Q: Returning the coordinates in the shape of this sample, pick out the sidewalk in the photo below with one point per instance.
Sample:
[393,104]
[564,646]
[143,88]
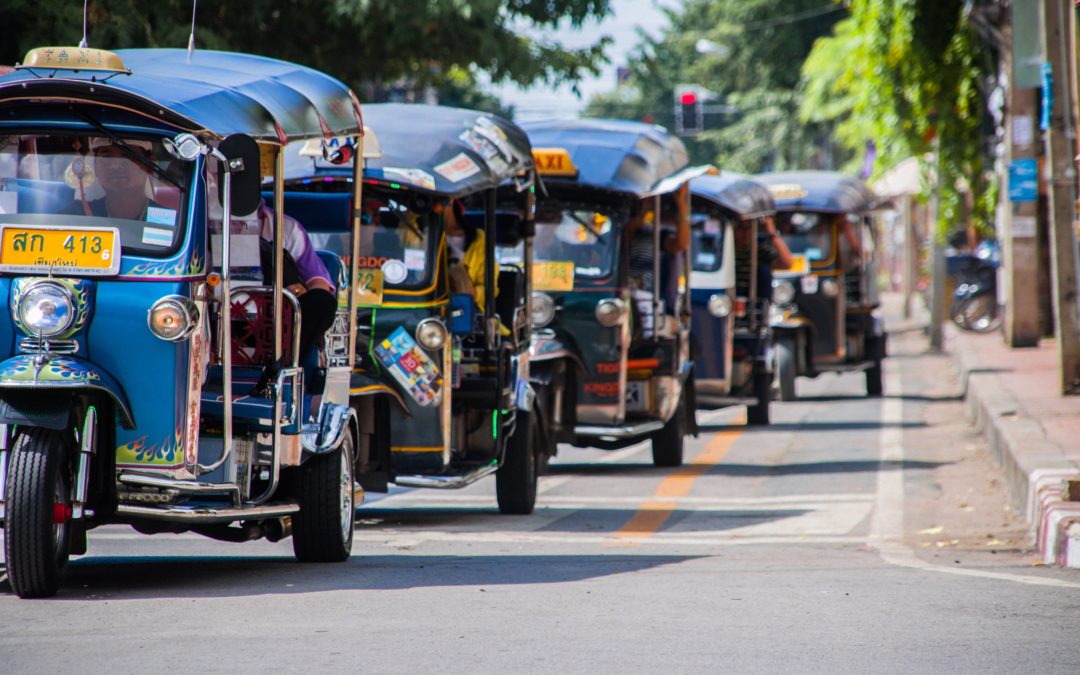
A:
[1012,397]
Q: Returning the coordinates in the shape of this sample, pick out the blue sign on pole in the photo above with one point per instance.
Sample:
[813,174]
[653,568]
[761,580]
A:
[1023,180]
[1047,96]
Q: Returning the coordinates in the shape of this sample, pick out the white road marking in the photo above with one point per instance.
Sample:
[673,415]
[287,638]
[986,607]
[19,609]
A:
[887,526]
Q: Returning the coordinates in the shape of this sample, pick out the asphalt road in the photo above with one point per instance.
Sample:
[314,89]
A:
[852,535]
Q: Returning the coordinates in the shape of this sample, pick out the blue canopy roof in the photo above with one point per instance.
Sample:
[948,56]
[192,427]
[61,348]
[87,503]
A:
[615,155]
[825,191]
[217,93]
[739,195]
[437,149]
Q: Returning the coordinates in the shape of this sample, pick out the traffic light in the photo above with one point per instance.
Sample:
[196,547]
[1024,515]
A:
[689,116]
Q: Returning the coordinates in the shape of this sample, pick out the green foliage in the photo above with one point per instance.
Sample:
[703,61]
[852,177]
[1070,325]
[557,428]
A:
[373,42]
[906,74]
[758,46]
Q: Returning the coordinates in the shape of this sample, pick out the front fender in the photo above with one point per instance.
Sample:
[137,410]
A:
[551,349]
[362,384]
[66,374]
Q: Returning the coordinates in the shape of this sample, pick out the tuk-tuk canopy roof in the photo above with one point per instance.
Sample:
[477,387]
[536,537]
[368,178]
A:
[437,149]
[739,195]
[616,155]
[825,191]
[217,93]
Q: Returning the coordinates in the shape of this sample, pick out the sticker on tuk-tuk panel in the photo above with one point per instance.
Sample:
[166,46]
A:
[394,271]
[410,366]
[553,275]
[369,287]
[787,191]
[809,284]
[637,396]
[155,236]
[800,264]
[457,168]
[160,216]
[415,259]
[416,177]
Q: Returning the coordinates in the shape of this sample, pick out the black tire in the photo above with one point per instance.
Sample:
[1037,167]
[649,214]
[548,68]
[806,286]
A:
[876,350]
[786,368]
[668,443]
[38,485]
[757,415]
[323,528]
[516,480]
[979,313]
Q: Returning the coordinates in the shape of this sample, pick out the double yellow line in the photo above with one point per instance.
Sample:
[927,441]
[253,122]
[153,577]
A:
[652,515]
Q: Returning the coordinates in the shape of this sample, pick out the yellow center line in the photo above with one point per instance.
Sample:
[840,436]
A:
[652,514]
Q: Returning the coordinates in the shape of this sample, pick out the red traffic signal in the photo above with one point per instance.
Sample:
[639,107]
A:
[688,98]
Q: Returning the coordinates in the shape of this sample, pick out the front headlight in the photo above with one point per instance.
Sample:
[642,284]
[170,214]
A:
[431,334]
[610,312]
[783,292]
[830,288]
[46,309]
[720,305]
[543,309]
[173,318]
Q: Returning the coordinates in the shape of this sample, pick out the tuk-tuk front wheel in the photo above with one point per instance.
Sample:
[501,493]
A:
[516,481]
[323,529]
[37,523]
[876,349]
[786,366]
[668,443]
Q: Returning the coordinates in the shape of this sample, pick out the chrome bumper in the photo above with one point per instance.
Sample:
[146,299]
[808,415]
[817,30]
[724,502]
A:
[618,432]
[203,514]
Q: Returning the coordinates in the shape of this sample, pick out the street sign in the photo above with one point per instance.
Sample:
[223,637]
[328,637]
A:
[1023,180]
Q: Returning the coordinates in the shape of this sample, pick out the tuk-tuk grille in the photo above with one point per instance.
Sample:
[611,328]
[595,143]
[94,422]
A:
[31,345]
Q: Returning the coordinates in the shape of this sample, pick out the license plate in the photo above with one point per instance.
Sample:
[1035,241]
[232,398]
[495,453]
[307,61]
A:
[41,249]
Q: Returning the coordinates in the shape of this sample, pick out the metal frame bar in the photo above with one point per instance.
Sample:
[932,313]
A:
[656,268]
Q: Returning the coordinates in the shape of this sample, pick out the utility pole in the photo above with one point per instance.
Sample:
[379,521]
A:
[1057,121]
[1018,215]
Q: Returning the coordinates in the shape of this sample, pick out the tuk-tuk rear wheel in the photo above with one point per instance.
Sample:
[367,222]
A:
[516,481]
[758,413]
[37,524]
[323,528]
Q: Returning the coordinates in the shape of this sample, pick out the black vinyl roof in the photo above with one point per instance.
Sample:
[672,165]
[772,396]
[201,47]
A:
[825,191]
[739,195]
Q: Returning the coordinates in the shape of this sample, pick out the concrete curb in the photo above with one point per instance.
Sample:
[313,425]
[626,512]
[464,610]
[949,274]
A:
[1034,466]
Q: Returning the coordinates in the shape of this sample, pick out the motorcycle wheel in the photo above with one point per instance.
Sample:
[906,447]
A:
[323,528]
[516,480]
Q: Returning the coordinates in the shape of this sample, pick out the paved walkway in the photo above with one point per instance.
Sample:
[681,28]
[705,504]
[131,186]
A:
[1013,396]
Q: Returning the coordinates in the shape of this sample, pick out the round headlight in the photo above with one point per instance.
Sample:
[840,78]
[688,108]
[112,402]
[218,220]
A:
[543,309]
[610,311]
[783,292]
[46,309]
[830,288]
[431,334]
[173,318]
[720,305]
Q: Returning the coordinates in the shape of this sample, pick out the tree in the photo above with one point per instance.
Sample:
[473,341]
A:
[909,75]
[748,53]
[362,42]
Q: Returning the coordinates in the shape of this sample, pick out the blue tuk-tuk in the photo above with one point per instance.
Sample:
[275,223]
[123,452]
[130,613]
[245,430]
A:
[611,311]
[827,316]
[729,293]
[443,370]
[151,370]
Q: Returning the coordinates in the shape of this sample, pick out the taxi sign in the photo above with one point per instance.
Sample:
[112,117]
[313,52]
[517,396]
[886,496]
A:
[554,162]
[74,58]
[44,249]
[553,275]
[787,191]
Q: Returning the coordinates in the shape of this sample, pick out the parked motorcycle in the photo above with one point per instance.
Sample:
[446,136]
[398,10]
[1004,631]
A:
[974,299]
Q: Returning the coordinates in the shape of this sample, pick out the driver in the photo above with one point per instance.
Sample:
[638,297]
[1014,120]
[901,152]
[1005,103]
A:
[124,180]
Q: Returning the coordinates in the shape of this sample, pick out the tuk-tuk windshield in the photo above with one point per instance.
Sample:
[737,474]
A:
[65,180]
[587,239]
[806,234]
[399,242]
[706,243]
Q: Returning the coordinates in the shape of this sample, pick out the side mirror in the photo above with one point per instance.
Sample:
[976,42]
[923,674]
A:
[242,162]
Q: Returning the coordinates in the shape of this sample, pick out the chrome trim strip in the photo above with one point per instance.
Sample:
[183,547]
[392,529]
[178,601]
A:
[446,482]
[201,514]
[32,345]
[182,486]
[82,473]
[619,432]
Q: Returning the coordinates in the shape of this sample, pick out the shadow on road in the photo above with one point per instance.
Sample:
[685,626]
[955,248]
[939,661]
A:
[817,468]
[831,425]
[97,578]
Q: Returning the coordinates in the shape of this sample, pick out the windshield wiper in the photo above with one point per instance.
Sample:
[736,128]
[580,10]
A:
[596,233]
[127,150]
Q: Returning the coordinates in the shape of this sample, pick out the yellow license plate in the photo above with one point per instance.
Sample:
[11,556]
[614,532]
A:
[369,288]
[42,249]
[800,264]
[553,275]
